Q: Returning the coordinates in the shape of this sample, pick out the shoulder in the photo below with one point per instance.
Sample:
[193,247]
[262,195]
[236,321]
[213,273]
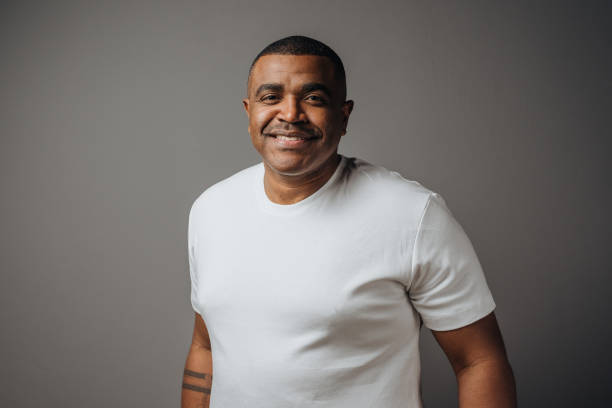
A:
[225,191]
[387,188]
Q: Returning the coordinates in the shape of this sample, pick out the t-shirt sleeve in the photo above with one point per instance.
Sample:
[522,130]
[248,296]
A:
[193,272]
[448,287]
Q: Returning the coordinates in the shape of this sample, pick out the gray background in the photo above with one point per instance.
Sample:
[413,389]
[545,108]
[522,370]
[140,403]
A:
[116,115]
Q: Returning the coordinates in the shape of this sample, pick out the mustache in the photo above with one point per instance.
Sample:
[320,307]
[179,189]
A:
[292,131]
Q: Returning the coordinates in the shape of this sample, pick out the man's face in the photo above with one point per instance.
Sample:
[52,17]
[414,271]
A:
[296,97]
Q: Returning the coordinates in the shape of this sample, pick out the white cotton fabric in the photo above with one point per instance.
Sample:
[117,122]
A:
[319,303]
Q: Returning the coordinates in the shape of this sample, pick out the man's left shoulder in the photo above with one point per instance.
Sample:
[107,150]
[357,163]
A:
[387,185]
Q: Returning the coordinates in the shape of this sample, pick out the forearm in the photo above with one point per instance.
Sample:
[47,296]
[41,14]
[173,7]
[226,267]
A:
[197,378]
[487,384]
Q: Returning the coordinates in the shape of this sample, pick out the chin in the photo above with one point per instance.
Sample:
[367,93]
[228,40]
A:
[288,165]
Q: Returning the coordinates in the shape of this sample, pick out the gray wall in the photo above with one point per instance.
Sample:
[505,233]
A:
[116,115]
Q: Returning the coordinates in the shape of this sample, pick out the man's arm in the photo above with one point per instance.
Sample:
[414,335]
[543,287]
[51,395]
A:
[478,357]
[197,376]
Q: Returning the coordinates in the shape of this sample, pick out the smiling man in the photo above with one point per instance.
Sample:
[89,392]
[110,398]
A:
[312,272]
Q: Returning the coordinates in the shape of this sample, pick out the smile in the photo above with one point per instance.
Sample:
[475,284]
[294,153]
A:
[290,141]
[282,137]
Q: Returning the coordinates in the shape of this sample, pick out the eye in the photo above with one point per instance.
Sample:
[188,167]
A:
[317,99]
[269,98]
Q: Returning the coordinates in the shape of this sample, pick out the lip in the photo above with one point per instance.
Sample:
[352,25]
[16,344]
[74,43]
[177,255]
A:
[292,134]
[304,139]
[290,143]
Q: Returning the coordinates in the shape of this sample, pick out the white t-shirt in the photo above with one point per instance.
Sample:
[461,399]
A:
[319,303]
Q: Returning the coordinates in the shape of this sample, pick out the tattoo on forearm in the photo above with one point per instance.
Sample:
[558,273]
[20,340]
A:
[196,388]
[203,387]
[195,374]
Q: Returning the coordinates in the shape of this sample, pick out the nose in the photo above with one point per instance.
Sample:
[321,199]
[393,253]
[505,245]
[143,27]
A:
[291,111]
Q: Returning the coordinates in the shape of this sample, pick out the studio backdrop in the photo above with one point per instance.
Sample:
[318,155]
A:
[116,115]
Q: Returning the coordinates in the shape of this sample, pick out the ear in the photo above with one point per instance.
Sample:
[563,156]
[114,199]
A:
[347,108]
[245,103]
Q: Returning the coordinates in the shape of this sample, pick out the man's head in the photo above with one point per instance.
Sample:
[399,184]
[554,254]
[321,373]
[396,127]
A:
[297,88]
[300,45]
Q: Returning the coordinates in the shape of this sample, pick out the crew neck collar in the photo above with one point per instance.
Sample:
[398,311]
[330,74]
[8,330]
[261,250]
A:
[271,207]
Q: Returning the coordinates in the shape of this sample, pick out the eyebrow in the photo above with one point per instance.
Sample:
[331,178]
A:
[316,86]
[269,87]
[309,87]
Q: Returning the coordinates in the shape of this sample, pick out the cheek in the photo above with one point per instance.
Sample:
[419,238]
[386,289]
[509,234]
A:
[259,119]
[330,124]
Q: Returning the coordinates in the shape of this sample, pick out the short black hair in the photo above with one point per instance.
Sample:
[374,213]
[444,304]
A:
[301,45]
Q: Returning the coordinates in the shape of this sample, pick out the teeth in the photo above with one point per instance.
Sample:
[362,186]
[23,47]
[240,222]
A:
[281,137]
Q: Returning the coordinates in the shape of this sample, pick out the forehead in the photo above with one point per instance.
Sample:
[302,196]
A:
[292,70]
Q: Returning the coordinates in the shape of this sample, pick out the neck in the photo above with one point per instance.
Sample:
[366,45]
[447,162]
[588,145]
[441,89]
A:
[284,189]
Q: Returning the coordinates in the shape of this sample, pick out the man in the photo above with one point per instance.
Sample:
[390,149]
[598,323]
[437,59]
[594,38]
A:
[311,271]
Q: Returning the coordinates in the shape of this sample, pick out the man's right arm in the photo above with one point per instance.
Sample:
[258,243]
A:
[197,376]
